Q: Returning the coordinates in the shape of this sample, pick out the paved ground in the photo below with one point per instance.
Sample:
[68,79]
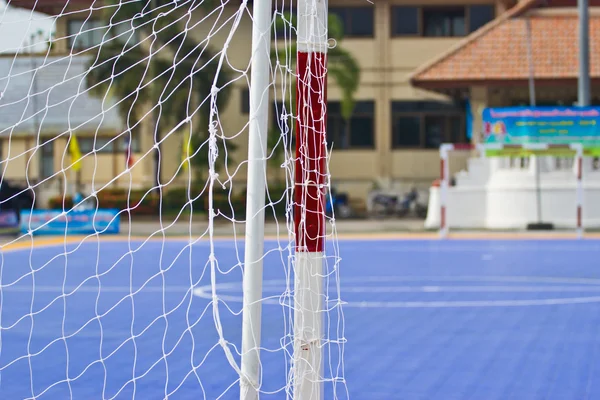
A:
[226,228]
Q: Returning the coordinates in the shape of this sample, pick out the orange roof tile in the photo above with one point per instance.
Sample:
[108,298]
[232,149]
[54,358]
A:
[500,53]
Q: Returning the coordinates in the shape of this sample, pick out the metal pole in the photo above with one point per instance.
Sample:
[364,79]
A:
[579,160]
[532,103]
[444,182]
[584,53]
[255,201]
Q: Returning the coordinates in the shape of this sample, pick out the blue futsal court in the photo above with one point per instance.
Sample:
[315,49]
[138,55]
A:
[422,319]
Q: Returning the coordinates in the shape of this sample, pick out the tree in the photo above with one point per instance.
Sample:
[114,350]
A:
[342,67]
[148,59]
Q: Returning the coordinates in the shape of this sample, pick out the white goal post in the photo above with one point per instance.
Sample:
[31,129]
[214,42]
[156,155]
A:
[178,127]
[576,149]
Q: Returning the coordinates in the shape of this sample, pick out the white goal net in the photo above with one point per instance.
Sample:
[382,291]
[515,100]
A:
[164,201]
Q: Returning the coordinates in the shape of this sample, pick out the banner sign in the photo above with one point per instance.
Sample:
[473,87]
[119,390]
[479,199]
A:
[9,219]
[552,125]
[76,222]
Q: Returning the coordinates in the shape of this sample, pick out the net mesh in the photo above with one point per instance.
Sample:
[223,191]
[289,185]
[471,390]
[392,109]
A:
[136,114]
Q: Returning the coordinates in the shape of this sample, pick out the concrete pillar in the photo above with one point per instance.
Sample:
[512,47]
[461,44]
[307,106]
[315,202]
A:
[146,143]
[383,128]
[479,98]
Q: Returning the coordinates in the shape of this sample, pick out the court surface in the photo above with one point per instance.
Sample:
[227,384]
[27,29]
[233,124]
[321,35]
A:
[423,319]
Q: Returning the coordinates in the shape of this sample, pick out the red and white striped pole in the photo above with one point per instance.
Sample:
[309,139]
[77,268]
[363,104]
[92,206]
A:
[309,198]
[579,159]
[444,172]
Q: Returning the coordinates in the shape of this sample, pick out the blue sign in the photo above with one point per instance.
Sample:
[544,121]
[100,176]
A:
[9,219]
[76,222]
[553,125]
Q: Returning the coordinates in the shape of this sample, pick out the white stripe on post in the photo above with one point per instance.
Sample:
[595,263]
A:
[309,198]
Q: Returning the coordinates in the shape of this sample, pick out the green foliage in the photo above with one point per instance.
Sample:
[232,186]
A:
[157,63]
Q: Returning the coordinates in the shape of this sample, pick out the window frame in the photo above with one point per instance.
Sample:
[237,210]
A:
[422,114]
[446,9]
[468,16]
[394,34]
[421,19]
[346,19]
[245,101]
[47,153]
[355,114]
[411,114]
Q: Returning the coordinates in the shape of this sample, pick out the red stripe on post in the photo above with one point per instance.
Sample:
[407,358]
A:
[442,171]
[578,216]
[443,218]
[579,168]
[310,165]
[462,146]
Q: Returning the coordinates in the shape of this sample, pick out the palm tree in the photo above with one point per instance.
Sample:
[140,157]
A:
[147,59]
[341,66]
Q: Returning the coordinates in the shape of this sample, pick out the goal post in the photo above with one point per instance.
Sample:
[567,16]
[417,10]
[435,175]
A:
[309,198]
[310,182]
[255,200]
[502,150]
[197,294]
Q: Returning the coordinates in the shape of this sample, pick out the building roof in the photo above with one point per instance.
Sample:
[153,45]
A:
[499,52]
[56,100]
[48,6]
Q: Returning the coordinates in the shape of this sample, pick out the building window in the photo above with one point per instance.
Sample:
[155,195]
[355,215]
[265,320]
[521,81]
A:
[429,21]
[480,15]
[102,145]
[84,34]
[47,159]
[136,146]
[245,101]
[406,131]
[427,124]
[444,21]
[357,133]
[405,21]
[356,21]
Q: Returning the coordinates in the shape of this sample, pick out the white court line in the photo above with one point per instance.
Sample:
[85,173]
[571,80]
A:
[486,249]
[270,285]
[276,286]
[93,289]
[474,303]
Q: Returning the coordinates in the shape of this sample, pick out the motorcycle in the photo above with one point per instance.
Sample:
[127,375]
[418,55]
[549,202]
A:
[338,204]
[391,205]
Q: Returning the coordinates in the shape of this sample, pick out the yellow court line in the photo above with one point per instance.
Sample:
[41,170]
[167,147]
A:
[27,243]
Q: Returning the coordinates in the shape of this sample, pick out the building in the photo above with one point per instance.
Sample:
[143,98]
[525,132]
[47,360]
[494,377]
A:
[424,64]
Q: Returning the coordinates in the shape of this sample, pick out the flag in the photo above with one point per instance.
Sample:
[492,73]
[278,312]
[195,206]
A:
[128,155]
[187,151]
[75,153]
